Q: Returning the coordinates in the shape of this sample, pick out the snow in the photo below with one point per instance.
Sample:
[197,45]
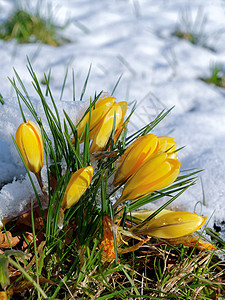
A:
[133,38]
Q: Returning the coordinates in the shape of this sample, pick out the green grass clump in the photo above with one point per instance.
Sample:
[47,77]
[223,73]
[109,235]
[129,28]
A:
[30,28]
[193,29]
[186,36]
[193,37]
[217,76]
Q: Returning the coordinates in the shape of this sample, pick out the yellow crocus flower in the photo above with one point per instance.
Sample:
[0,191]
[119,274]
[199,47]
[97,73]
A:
[77,186]
[29,140]
[104,129]
[98,111]
[139,152]
[156,173]
[134,156]
[172,224]
[101,122]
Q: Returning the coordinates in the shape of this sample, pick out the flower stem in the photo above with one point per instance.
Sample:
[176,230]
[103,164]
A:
[39,179]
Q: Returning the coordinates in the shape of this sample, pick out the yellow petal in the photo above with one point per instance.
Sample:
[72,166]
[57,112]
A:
[29,140]
[77,186]
[140,151]
[157,173]
[135,156]
[173,225]
[100,109]
[144,214]
[123,106]
[104,129]
[120,126]
[166,144]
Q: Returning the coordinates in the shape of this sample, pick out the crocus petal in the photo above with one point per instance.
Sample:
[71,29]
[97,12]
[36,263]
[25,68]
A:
[100,109]
[29,140]
[77,186]
[101,122]
[120,127]
[157,173]
[135,156]
[173,225]
[139,152]
[105,128]
[141,215]
[166,144]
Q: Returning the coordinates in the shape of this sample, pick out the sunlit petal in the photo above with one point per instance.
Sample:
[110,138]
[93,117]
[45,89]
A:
[157,173]
[100,109]
[173,225]
[29,140]
[140,151]
[135,156]
[105,128]
[77,186]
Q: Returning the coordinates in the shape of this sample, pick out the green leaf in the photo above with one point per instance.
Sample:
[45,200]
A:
[4,273]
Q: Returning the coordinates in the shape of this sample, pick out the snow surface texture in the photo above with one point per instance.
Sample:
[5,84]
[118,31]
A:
[133,38]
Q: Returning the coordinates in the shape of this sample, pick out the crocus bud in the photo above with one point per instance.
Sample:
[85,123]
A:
[101,122]
[139,152]
[78,184]
[100,109]
[156,173]
[104,129]
[172,224]
[135,156]
[29,140]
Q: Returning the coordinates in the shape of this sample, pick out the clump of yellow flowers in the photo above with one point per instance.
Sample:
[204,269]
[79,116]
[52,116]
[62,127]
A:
[148,164]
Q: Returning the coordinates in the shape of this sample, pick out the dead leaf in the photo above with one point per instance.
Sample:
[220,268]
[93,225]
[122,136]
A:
[102,155]
[7,240]
[40,252]
[53,182]
[132,248]
[108,252]
[192,241]
[69,229]
[25,284]
[3,296]
[13,273]
[24,221]
[29,239]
